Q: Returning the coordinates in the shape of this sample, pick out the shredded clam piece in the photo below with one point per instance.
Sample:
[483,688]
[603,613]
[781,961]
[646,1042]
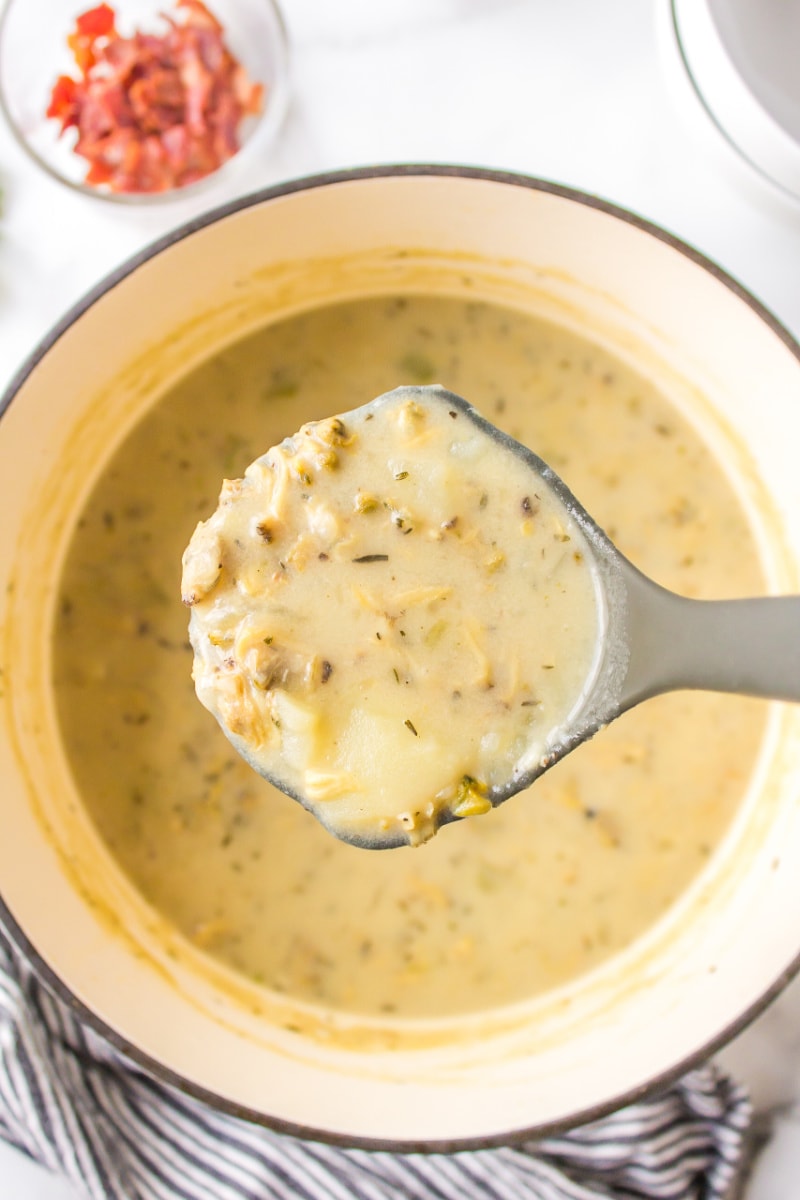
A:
[390,615]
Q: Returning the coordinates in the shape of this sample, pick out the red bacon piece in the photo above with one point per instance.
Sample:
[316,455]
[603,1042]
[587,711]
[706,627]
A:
[97,22]
[153,111]
[63,102]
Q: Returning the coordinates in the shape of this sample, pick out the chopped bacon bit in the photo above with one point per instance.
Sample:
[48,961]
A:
[63,102]
[97,22]
[153,111]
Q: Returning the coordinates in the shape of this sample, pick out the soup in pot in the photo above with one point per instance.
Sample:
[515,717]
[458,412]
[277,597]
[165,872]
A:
[494,910]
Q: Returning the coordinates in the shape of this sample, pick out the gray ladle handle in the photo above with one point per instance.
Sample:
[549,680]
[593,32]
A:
[746,646]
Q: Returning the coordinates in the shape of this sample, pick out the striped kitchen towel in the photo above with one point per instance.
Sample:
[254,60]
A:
[72,1103]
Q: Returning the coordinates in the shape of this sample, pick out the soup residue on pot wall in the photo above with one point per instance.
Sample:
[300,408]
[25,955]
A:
[494,910]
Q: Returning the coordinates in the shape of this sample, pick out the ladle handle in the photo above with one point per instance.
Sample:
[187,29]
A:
[746,646]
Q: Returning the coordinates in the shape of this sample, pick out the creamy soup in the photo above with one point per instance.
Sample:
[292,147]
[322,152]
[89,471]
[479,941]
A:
[490,911]
[393,592]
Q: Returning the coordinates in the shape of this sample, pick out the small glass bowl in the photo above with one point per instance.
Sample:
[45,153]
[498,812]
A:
[34,53]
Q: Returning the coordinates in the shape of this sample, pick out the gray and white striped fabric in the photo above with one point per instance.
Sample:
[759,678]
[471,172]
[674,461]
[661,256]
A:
[72,1103]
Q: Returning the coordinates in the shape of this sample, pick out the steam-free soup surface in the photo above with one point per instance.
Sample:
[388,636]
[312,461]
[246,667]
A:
[495,909]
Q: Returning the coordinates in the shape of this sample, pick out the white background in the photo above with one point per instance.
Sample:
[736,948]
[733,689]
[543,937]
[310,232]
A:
[577,91]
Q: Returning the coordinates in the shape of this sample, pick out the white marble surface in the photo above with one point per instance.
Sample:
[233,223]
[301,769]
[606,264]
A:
[577,91]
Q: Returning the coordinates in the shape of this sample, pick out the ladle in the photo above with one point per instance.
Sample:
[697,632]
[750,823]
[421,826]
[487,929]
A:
[652,640]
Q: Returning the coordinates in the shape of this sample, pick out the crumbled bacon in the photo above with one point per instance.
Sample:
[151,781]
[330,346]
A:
[153,111]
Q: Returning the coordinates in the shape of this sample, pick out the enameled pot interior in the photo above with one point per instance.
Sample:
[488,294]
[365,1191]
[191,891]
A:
[581,1050]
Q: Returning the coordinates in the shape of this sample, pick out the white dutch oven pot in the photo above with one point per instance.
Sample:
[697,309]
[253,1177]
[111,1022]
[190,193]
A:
[630,1025]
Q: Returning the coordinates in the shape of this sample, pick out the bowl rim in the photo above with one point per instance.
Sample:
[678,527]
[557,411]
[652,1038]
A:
[268,123]
[8,924]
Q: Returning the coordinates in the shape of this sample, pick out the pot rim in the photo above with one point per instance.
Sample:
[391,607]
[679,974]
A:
[24,947]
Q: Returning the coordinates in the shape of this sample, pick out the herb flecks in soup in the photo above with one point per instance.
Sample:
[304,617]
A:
[393,616]
[490,911]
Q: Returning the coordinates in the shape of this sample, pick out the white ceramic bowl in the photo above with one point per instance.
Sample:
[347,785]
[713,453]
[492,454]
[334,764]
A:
[732,66]
[632,1024]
